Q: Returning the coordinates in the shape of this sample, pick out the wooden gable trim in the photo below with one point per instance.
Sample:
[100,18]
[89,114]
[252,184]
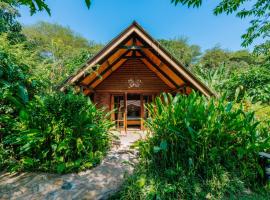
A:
[108,72]
[173,62]
[105,63]
[110,47]
[159,74]
[165,70]
[104,67]
[114,45]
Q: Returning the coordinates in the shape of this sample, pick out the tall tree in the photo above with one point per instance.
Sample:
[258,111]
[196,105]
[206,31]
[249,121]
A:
[8,23]
[182,50]
[263,52]
[215,57]
[61,50]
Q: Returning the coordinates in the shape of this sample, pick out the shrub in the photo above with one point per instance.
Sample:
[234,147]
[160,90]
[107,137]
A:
[59,133]
[197,149]
[254,82]
[15,83]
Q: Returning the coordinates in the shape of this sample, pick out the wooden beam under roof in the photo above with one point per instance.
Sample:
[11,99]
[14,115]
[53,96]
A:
[103,67]
[108,58]
[133,57]
[108,73]
[162,63]
[133,47]
[168,76]
[127,41]
[167,58]
[82,87]
[179,81]
[159,74]
[107,68]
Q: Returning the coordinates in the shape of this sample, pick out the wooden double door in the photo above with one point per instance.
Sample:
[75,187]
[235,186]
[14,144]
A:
[128,109]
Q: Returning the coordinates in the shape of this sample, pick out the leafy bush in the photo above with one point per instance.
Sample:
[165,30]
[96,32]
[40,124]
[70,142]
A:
[16,84]
[254,82]
[59,133]
[197,149]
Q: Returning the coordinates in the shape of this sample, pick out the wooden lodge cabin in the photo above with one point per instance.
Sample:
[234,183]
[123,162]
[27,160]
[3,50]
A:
[129,72]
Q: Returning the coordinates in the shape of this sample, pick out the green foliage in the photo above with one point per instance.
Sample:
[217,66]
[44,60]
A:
[16,82]
[259,12]
[263,53]
[214,78]
[197,149]
[40,5]
[182,50]
[236,73]
[262,111]
[51,39]
[59,133]
[243,56]
[214,57]
[201,134]
[8,23]
[253,82]
[52,132]
[60,51]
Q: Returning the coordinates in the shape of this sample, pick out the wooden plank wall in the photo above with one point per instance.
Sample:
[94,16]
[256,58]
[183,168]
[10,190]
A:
[118,80]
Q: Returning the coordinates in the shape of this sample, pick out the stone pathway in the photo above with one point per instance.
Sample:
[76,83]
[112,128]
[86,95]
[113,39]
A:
[97,183]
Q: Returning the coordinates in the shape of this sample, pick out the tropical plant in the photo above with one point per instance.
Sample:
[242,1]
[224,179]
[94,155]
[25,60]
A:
[16,82]
[243,56]
[253,82]
[263,53]
[59,133]
[214,78]
[197,149]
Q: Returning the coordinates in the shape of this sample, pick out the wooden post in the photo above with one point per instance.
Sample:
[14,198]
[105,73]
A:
[142,111]
[125,114]
[112,108]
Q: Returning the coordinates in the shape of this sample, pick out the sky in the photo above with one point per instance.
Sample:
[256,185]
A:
[107,18]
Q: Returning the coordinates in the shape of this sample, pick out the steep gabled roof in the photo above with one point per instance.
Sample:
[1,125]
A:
[136,42]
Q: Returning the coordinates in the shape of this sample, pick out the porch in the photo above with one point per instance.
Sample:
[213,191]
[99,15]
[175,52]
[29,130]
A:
[129,111]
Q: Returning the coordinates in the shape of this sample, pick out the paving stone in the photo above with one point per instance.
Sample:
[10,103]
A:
[97,183]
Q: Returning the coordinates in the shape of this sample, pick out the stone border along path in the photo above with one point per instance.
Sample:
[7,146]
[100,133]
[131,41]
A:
[97,183]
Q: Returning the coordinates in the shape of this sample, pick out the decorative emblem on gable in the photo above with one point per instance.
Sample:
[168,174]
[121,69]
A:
[134,83]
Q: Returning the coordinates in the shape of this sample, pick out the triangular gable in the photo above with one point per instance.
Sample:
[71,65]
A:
[154,56]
